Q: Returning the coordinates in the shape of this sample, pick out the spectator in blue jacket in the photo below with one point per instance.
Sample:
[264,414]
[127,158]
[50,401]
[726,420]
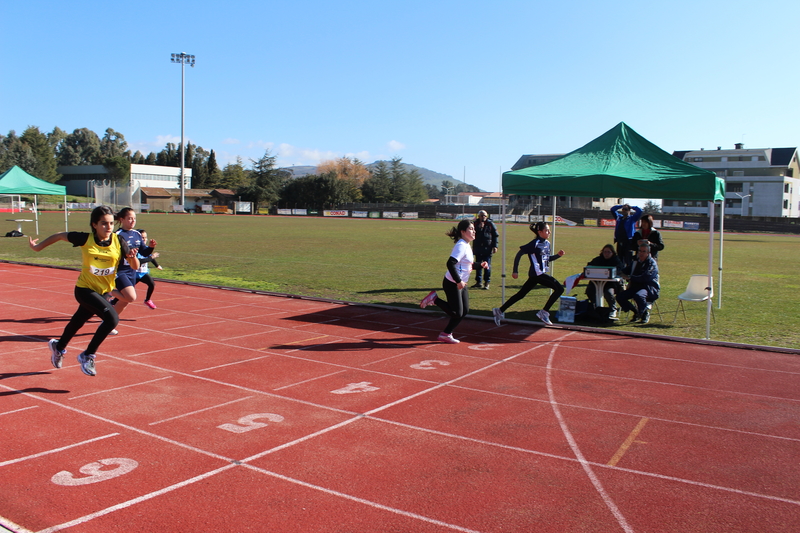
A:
[627,216]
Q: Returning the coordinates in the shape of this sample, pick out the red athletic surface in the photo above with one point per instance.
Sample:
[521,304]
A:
[516,429]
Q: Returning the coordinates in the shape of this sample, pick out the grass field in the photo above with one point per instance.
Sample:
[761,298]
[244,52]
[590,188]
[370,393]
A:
[398,261]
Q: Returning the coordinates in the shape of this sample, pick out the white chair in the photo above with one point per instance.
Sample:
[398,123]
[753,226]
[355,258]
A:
[699,289]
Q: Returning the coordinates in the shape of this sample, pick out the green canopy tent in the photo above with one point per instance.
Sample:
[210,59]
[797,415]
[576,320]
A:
[16,181]
[621,163]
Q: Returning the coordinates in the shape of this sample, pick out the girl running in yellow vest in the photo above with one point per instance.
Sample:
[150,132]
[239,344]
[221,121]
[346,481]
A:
[103,251]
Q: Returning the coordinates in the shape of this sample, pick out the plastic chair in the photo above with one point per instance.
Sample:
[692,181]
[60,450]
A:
[699,289]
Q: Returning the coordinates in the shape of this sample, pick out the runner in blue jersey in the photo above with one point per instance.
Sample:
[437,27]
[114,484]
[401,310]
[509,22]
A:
[126,276]
[538,251]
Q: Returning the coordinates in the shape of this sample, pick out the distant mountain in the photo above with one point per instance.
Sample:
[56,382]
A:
[429,177]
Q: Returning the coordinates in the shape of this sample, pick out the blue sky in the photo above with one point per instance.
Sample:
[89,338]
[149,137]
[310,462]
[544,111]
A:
[463,88]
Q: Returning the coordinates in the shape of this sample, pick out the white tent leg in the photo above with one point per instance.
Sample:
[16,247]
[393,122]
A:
[503,262]
[710,264]
[36,212]
[66,215]
[721,242]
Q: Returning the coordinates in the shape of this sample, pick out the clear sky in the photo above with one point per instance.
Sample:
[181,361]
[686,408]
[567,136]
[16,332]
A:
[460,87]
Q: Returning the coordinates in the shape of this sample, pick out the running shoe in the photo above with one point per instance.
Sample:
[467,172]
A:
[498,315]
[646,316]
[150,304]
[428,300]
[448,338]
[56,357]
[636,316]
[87,364]
[544,316]
[114,332]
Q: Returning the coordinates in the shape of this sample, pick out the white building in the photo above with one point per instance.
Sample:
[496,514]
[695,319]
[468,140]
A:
[81,180]
[759,182]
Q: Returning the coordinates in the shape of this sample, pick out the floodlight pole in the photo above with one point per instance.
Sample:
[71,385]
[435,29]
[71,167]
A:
[183,59]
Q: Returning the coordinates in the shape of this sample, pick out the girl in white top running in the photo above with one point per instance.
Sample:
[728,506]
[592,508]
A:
[459,266]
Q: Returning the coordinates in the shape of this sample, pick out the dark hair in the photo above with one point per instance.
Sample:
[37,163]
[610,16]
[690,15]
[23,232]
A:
[141,230]
[123,212]
[610,247]
[97,213]
[648,218]
[536,227]
[455,232]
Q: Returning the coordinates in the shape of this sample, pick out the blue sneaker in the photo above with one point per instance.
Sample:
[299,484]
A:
[56,356]
[87,364]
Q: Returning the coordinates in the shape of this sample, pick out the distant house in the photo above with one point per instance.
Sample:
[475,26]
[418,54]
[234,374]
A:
[161,199]
[761,182]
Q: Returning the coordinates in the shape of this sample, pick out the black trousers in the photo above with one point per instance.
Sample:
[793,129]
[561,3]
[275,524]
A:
[456,306]
[90,304]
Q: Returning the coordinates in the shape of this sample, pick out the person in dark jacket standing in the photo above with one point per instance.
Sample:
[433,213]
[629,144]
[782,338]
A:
[649,236]
[643,287]
[484,245]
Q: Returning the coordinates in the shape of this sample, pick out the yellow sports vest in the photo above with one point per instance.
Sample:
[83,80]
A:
[99,269]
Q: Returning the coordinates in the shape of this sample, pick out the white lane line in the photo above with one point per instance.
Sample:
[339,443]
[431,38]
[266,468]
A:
[18,410]
[134,501]
[309,380]
[119,388]
[587,467]
[233,363]
[200,410]
[56,450]
[369,503]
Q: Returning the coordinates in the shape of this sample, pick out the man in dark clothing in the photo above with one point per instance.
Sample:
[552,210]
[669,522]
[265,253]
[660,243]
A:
[484,245]
[643,287]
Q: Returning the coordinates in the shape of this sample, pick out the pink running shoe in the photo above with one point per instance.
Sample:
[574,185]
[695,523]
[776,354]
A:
[447,338]
[150,304]
[428,300]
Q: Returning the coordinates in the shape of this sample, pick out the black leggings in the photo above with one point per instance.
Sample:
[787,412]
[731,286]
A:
[544,279]
[91,303]
[456,306]
[151,285]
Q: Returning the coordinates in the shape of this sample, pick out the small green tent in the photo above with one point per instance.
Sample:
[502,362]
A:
[16,181]
[620,163]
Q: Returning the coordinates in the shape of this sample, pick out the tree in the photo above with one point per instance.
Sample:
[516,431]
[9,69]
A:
[81,147]
[213,168]
[265,182]
[407,186]
[316,192]
[200,169]
[233,176]
[113,144]
[119,169]
[15,152]
[651,207]
[378,187]
[44,166]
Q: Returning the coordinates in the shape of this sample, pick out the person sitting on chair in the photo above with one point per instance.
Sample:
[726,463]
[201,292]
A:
[607,258]
[643,287]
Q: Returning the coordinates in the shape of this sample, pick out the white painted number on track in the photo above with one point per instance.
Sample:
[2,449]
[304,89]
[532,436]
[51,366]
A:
[94,472]
[248,423]
[484,346]
[354,388]
[429,364]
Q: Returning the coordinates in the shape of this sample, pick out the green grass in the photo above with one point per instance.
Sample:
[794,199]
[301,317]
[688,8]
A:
[397,262]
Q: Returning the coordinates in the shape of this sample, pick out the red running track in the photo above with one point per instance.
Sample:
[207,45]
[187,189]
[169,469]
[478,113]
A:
[233,411]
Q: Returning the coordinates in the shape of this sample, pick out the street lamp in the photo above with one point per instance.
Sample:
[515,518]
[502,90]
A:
[183,59]
[742,197]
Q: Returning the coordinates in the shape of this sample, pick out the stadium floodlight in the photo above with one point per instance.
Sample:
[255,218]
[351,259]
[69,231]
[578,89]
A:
[183,59]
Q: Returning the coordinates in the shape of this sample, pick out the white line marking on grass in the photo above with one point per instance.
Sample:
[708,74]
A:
[576,449]
[120,388]
[134,501]
[368,503]
[200,410]
[56,450]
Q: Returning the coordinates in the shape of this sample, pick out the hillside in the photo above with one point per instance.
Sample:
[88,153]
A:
[429,177]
